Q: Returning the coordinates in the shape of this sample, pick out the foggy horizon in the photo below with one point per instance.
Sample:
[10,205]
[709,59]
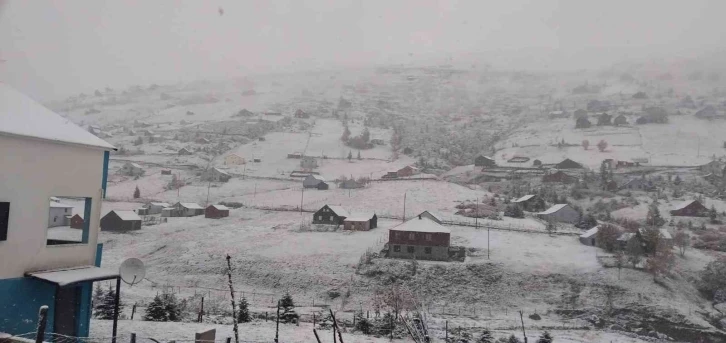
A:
[51,50]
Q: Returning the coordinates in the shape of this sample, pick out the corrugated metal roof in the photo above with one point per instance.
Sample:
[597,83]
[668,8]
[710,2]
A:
[553,209]
[339,210]
[421,224]
[127,215]
[524,198]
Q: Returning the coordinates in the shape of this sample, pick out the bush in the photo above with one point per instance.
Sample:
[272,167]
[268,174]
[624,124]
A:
[513,211]
[362,324]
[607,236]
[713,277]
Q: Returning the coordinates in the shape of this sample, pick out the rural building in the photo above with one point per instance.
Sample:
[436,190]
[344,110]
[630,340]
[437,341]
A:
[328,214]
[186,209]
[620,120]
[568,164]
[308,162]
[518,159]
[561,213]
[433,216]
[638,183]
[349,184]
[484,161]
[234,160]
[582,123]
[132,169]
[77,222]
[301,114]
[156,207]
[588,237]
[143,211]
[57,214]
[420,238]
[53,156]
[295,154]
[357,223]
[407,171]
[559,176]
[202,140]
[378,141]
[529,202]
[120,221]
[315,181]
[183,152]
[216,211]
[216,175]
[390,175]
[690,208]
[166,172]
[604,119]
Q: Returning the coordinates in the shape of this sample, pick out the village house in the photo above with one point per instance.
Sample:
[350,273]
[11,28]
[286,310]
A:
[233,160]
[301,114]
[529,202]
[185,209]
[156,207]
[419,238]
[588,237]
[57,214]
[77,222]
[604,119]
[568,164]
[315,181]
[308,162]
[484,161]
[44,154]
[329,214]
[582,123]
[184,152]
[131,169]
[436,217]
[120,221]
[215,175]
[407,171]
[390,175]
[359,223]
[690,208]
[561,213]
[559,176]
[216,211]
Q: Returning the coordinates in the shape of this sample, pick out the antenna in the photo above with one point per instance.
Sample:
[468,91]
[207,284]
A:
[132,271]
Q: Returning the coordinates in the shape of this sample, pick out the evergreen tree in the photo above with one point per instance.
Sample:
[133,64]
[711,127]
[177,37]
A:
[678,180]
[362,323]
[359,155]
[139,141]
[97,295]
[243,315]
[366,135]
[713,215]
[513,339]
[171,306]
[346,134]
[350,155]
[653,218]
[156,312]
[545,338]
[105,307]
[513,211]
[486,337]
[288,309]
[137,193]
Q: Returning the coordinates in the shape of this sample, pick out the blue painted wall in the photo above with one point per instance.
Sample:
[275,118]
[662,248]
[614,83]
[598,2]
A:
[20,300]
[105,172]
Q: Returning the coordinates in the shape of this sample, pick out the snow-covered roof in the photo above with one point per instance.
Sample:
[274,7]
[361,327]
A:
[220,207]
[665,234]
[162,204]
[553,209]
[339,210]
[434,214]
[127,215]
[24,117]
[59,205]
[524,198]
[220,171]
[317,177]
[421,224]
[135,165]
[191,205]
[626,236]
[68,276]
[358,218]
[590,233]
[683,205]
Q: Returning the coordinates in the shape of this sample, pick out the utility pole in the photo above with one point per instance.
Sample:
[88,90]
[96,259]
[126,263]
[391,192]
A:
[404,207]
[522,319]
[488,249]
[302,194]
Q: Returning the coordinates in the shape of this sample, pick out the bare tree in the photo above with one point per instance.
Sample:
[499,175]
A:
[661,261]
[602,145]
[607,236]
[682,241]
[619,261]
[585,144]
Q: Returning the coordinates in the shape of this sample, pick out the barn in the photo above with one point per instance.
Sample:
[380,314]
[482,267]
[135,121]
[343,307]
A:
[588,237]
[184,151]
[216,211]
[407,171]
[328,214]
[120,221]
[233,160]
[562,213]
[690,208]
[484,161]
[420,238]
[77,222]
[315,181]
[186,209]
[568,164]
[357,223]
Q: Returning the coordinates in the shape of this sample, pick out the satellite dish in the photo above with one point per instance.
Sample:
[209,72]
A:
[132,271]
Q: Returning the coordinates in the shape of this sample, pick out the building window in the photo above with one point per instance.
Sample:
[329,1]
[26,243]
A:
[410,249]
[61,228]
[320,217]
[427,250]
[396,235]
[428,236]
[397,248]
[4,220]
[411,236]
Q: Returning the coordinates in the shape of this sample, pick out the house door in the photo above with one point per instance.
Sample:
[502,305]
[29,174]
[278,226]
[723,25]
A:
[67,302]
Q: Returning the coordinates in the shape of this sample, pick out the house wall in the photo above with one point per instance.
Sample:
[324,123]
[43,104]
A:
[419,238]
[357,226]
[56,215]
[47,170]
[326,216]
[438,253]
[154,209]
[565,215]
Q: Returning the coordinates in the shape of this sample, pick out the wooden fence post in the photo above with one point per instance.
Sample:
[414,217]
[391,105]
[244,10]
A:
[133,337]
[42,321]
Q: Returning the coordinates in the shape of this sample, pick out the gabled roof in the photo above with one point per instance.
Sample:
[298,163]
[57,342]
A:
[433,214]
[590,233]
[316,177]
[220,207]
[162,204]
[22,116]
[339,210]
[554,209]
[421,224]
[358,218]
[220,171]
[127,215]
[191,205]
[524,198]
[683,205]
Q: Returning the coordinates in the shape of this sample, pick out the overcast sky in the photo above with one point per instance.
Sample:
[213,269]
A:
[51,49]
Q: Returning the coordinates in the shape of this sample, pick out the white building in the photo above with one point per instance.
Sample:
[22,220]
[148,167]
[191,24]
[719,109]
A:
[233,160]
[45,155]
[156,207]
[57,213]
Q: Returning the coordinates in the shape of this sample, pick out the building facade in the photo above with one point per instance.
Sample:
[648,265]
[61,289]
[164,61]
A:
[419,238]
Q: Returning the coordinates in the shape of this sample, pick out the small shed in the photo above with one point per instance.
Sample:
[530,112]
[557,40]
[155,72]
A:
[216,211]
[216,175]
[390,175]
[568,164]
[166,172]
[233,160]
[357,223]
[529,202]
[588,237]
[407,171]
[315,181]
[690,208]
[120,221]
[156,207]
[184,151]
[484,161]
[562,213]
[76,222]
